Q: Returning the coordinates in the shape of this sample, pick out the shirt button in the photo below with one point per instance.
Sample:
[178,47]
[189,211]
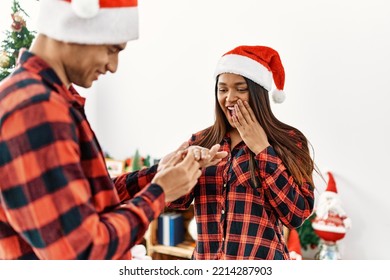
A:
[223,211]
[224,185]
[223,238]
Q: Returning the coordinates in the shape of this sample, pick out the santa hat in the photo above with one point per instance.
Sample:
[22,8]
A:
[331,189]
[89,21]
[331,184]
[257,63]
[294,245]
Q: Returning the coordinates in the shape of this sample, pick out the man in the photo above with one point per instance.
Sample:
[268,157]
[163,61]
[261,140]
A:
[57,200]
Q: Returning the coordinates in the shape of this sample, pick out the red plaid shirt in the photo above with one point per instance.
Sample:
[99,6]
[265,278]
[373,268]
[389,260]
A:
[234,219]
[57,200]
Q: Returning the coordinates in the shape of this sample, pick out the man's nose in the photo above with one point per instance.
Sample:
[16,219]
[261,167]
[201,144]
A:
[112,64]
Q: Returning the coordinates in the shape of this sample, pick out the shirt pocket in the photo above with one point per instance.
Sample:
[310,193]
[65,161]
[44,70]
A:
[243,184]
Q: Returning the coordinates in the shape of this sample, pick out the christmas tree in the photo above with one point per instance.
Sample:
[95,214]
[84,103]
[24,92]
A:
[136,162]
[146,161]
[19,37]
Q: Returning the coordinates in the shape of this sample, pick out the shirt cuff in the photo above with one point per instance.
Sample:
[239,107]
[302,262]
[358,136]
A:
[268,162]
[155,196]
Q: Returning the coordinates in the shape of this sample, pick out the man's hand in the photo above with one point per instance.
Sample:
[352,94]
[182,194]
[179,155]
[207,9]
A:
[178,176]
[178,172]
[205,156]
[163,162]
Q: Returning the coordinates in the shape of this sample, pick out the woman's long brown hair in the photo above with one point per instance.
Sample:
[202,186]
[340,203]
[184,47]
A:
[288,142]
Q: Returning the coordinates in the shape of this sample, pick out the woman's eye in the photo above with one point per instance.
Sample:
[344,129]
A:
[222,90]
[242,89]
[111,50]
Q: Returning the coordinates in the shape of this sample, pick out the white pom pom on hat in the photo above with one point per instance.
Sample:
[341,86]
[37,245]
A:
[260,64]
[278,96]
[85,8]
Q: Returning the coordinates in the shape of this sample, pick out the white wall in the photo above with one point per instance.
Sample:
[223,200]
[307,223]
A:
[336,60]
[336,57]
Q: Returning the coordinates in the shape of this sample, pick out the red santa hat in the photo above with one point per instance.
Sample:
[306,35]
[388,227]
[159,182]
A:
[257,63]
[294,245]
[331,187]
[89,21]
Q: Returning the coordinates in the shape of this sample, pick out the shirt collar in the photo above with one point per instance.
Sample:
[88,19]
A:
[37,65]
[227,137]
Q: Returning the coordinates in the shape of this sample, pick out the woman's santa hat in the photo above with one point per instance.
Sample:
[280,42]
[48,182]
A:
[294,245]
[92,22]
[257,63]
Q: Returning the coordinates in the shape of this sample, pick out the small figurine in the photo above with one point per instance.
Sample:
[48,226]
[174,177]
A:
[331,222]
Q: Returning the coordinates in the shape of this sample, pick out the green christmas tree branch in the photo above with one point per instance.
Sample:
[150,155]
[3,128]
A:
[307,236]
[19,37]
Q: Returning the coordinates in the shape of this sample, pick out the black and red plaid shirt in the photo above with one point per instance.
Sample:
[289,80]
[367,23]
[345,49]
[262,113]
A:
[57,200]
[234,219]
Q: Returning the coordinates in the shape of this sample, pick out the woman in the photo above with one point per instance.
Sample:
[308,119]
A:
[265,182]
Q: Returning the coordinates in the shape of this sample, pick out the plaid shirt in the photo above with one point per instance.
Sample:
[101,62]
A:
[236,220]
[57,200]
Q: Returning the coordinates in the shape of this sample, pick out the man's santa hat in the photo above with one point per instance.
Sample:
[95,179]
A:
[331,221]
[91,22]
[260,64]
[294,245]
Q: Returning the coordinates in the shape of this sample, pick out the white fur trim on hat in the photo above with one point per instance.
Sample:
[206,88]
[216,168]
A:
[85,8]
[244,66]
[58,20]
[278,96]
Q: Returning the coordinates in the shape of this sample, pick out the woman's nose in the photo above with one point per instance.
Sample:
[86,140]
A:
[231,97]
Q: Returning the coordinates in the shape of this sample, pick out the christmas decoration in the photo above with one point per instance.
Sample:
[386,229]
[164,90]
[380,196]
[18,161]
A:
[128,164]
[146,161]
[19,37]
[136,162]
[293,245]
[307,236]
[331,222]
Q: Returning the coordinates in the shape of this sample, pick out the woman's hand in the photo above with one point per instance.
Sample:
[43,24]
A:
[207,157]
[249,128]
